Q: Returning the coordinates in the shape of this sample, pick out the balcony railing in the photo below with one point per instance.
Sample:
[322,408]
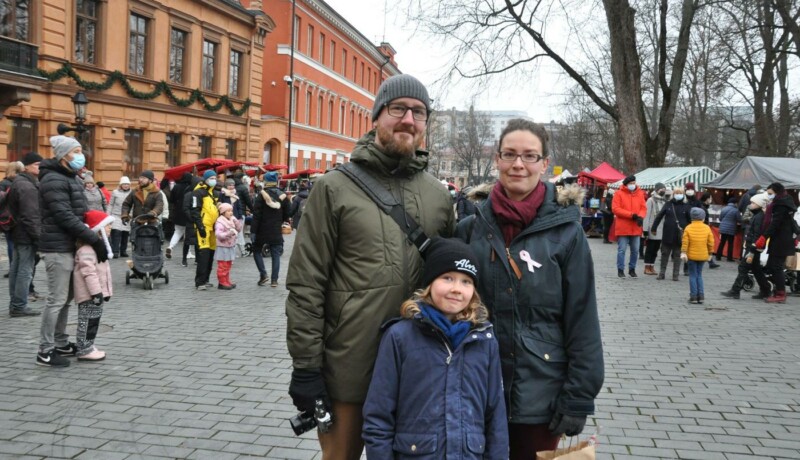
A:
[18,56]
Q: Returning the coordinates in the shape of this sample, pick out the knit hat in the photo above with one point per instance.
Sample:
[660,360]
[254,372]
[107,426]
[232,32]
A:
[271,178]
[697,214]
[148,174]
[208,174]
[31,158]
[96,221]
[448,255]
[399,86]
[689,186]
[628,180]
[224,207]
[62,145]
[229,182]
[659,186]
[124,180]
[88,177]
[759,200]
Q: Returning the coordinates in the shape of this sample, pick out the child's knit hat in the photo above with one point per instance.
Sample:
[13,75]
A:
[449,255]
[96,221]
[224,207]
[697,214]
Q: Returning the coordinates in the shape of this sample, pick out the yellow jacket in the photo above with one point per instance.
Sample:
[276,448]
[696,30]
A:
[698,241]
[204,213]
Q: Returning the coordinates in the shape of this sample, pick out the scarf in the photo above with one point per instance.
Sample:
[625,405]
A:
[455,332]
[146,190]
[513,216]
[768,213]
[227,222]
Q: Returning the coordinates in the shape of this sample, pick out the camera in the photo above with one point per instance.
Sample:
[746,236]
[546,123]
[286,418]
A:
[306,421]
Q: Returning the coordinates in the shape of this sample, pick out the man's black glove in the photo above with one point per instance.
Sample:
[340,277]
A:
[97,299]
[201,231]
[570,425]
[306,387]
[99,247]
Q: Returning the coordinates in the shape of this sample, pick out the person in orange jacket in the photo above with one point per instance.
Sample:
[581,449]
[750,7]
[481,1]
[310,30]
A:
[629,210]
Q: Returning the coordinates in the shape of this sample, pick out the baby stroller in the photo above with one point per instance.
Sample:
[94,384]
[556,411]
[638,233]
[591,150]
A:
[792,280]
[147,259]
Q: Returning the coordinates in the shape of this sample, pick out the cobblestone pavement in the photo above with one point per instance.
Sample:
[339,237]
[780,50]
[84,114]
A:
[204,374]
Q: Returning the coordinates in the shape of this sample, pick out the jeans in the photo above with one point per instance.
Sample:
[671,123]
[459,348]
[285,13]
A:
[20,275]
[119,242]
[59,267]
[696,278]
[622,245]
[275,252]
[9,246]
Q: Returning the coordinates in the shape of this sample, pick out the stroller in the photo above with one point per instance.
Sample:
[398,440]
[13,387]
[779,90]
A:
[147,259]
[791,277]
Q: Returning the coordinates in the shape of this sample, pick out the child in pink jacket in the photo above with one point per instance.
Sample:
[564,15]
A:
[91,282]
[225,229]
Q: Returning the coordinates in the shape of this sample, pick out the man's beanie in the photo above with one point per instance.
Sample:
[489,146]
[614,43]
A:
[271,178]
[148,174]
[659,186]
[399,86]
[697,214]
[448,255]
[208,174]
[31,158]
[62,145]
[628,180]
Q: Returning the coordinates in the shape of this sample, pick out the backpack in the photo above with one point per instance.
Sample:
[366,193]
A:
[6,219]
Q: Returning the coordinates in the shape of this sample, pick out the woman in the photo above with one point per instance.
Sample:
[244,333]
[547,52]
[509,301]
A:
[12,169]
[654,205]
[675,215]
[538,284]
[94,197]
[729,219]
[779,230]
[119,230]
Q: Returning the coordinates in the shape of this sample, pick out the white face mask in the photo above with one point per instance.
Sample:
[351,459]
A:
[770,196]
[631,187]
[690,193]
[679,197]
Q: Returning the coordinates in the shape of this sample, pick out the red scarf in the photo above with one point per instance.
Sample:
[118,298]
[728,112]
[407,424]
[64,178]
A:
[513,216]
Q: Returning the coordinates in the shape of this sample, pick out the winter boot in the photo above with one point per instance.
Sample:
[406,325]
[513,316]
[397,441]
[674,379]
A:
[222,275]
[701,298]
[660,276]
[733,293]
[779,297]
[621,273]
[230,267]
[761,295]
[649,270]
[632,273]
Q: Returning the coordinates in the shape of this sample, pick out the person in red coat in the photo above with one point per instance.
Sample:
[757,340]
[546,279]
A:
[629,210]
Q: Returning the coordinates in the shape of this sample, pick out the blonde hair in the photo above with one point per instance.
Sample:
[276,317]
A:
[14,167]
[476,312]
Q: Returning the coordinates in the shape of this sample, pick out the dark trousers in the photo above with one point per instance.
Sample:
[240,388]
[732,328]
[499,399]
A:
[723,239]
[758,273]
[119,242]
[205,262]
[607,219]
[525,440]
[775,266]
[652,251]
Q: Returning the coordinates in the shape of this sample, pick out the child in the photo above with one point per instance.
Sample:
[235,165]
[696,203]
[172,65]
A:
[91,281]
[437,384]
[696,248]
[226,228]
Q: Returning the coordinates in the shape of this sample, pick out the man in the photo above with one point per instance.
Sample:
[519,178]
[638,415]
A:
[243,192]
[629,210]
[272,210]
[147,200]
[352,265]
[62,205]
[204,214]
[608,215]
[24,206]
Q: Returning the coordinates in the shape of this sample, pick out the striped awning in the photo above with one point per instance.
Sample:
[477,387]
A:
[672,177]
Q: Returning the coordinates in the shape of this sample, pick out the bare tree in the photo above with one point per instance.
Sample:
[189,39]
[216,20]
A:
[471,142]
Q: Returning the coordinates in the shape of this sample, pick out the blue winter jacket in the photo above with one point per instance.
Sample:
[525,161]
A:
[429,401]
[728,218]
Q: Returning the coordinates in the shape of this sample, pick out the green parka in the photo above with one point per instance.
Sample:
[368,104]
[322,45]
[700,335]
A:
[352,266]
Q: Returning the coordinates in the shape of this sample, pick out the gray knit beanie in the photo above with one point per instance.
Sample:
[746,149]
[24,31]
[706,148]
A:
[62,145]
[697,214]
[400,86]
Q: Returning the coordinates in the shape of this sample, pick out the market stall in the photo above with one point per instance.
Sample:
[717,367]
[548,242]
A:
[596,182]
[671,177]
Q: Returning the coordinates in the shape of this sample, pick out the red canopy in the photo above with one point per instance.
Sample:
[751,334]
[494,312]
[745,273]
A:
[603,174]
[195,167]
[305,172]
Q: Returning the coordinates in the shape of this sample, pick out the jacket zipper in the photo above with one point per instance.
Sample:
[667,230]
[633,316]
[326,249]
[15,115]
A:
[513,264]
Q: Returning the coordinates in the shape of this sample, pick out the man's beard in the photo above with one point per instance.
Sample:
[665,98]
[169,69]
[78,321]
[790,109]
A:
[393,147]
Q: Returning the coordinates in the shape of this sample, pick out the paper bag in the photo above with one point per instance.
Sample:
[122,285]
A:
[583,450]
[793,262]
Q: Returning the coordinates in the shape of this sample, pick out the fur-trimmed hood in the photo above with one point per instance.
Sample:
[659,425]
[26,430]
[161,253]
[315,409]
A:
[566,195]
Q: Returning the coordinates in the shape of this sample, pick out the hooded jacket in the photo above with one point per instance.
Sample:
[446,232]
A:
[136,203]
[115,209]
[546,322]
[204,214]
[176,197]
[654,205]
[90,277]
[728,218]
[781,228]
[352,266]
[62,205]
[268,217]
[624,206]
[429,400]
[698,241]
[24,206]
[672,210]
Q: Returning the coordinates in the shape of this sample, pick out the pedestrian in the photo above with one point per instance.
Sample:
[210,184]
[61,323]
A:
[146,200]
[106,194]
[62,206]
[464,206]
[608,215]
[12,169]
[190,236]
[242,185]
[629,210]
[176,213]
[697,246]
[778,227]
[352,264]
[91,281]
[226,229]
[298,204]
[23,203]
[204,213]
[167,227]
[744,202]
[94,197]
[538,283]
[751,258]
[445,344]
[119,230]
[669,224]
[271,213]
[654,205]
[230,195]
[703,202]
[729,219]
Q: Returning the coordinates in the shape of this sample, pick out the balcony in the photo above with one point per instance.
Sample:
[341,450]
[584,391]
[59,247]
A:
[17,56]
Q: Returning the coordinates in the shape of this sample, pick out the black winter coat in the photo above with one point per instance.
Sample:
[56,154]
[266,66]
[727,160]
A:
[243,192]
[672,236]
[176,214]
[24,206]
[267,220]
[754,231]
[781,229]
[464,207]
[296,211]
[62,205]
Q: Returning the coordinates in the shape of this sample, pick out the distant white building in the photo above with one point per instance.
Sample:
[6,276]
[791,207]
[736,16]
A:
[500,118]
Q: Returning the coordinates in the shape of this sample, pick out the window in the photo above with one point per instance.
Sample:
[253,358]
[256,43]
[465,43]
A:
[319,111]
[230,149]
[317,164]
[134,152]
[308,107]
[177,54]
[173,156]
[305,163]
[296,32]
[344,63]
[330,115]
[209,61]
[15,16]
[21,138]
[310,42]
[295,95]
[369,76]
[333,55]
[204,142]
[341,119]
[322,48]
[235,71]
[362,74]
[355,68]
[86,31]
[352,124]
[137,45]
[293,165]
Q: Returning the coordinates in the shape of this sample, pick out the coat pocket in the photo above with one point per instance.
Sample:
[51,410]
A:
[414,444]
[476,443]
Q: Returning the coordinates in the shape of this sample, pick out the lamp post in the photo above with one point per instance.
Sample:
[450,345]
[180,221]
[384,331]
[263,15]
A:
[79,101]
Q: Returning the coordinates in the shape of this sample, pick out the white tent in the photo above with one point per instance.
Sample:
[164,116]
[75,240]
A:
[672,177]
[564,174]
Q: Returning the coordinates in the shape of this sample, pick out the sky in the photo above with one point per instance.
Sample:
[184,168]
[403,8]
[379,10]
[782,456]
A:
[418,56]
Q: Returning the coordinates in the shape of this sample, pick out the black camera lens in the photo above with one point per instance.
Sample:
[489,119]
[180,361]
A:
[302,423]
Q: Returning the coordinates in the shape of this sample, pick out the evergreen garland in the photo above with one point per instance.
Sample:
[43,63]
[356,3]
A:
[161,88]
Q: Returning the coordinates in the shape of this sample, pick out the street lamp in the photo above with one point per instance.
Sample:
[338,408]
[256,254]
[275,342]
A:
[79,101]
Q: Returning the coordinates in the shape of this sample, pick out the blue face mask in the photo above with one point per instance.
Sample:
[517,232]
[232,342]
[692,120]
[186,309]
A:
[78,162]
[212,183]
[679,197]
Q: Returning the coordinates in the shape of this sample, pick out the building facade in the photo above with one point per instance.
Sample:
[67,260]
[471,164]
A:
[169,81]
[324,81]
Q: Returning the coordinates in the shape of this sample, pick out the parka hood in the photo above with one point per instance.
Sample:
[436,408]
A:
[51,165]
[368,153]
[786,201]
[480,192]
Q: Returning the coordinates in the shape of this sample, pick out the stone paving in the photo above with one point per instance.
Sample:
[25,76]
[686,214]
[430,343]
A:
[204,374]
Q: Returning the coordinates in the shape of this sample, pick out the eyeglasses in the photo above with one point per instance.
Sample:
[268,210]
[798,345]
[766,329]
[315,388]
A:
[526,157]
[399,111]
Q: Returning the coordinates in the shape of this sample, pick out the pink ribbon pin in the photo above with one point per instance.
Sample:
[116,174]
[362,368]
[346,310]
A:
[526,257]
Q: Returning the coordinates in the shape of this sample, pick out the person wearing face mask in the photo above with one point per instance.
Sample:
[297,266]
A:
[146,200]
[751,257]
[62,206]
[675,217]
[654,205]
[778,227]
[629,210]
[729,220]
[703,202]
[119,229]
[204,213]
